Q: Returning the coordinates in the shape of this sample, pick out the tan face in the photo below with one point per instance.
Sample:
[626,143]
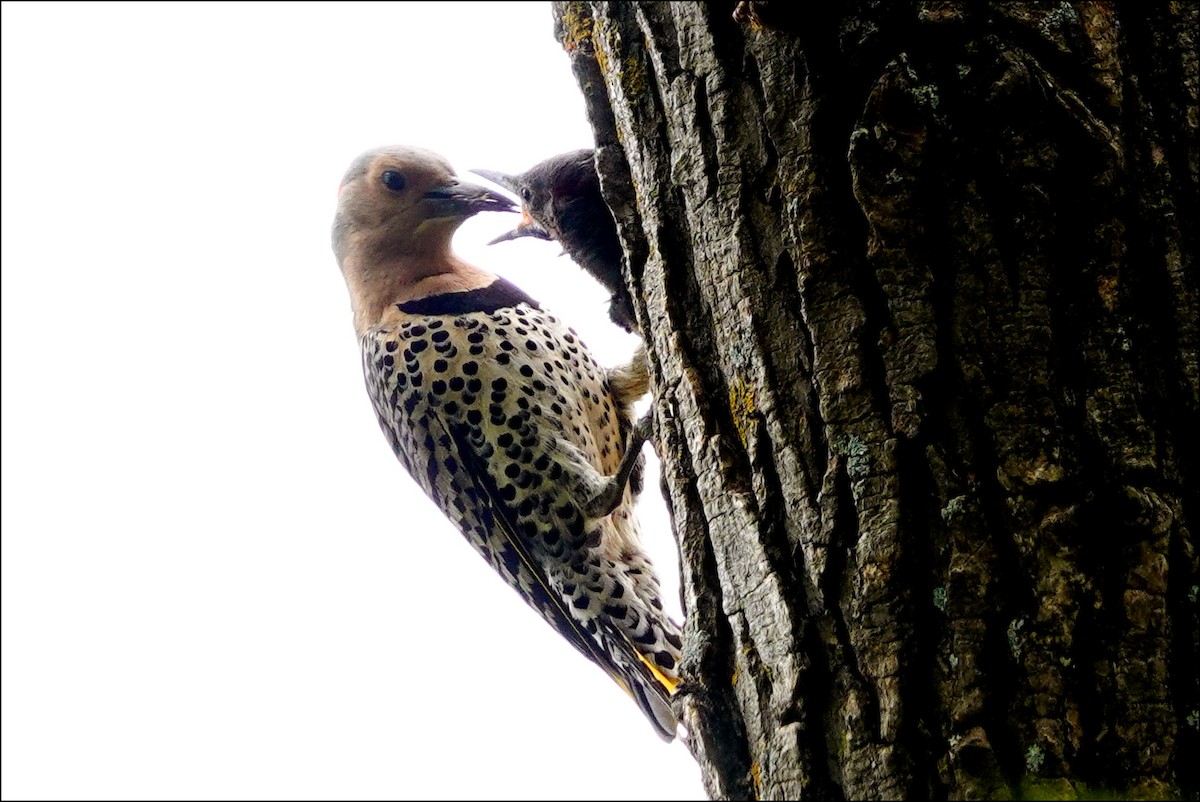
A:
[400,202]
[384,207]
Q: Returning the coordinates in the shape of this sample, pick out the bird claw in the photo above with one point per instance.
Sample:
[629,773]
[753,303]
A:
[608,498]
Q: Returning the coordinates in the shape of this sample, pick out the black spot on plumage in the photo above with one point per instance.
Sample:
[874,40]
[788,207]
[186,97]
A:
[525,508]
[508,492]
[581,603]
[475,337]
[664,659]
[522,332]
[647,638]
[440,365]
[507,345]
[474,417]
[500,384]
[555,472]
[656,603]
[451,407]
[474,385]
[502,359]
[390,345]
[419,346]
[531,345]
[417,379]
[551,538]
[438,387]
[512,560]
[456,384]
[476,350]
[468,398]
[618,591]
[542,462]
[440,336]
[512,471]
[410,403]
[514,423]
[470,368]
[539,385]
[615,610]
[527,371]
[673,639]
[593,538]
[505,440]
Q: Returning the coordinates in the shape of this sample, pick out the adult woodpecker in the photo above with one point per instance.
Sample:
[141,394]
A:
[561,200]
[503,417]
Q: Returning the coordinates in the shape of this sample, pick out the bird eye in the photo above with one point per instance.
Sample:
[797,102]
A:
[393,180]
[526,194]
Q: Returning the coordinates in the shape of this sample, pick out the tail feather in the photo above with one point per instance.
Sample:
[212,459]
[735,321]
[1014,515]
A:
[647,684]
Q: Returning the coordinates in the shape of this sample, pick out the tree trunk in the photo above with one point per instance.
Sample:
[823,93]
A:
[919,289]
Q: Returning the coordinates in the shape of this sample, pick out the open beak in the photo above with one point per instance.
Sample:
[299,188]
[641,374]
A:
[528,227]
[460,199]
[509,182]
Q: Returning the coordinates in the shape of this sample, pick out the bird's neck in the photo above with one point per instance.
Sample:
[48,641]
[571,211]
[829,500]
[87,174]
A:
[378,286]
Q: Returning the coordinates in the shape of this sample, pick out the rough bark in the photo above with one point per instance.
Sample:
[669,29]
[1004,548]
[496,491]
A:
[919,288]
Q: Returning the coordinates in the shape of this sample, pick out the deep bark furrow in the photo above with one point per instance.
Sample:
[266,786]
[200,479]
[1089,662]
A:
[921,302]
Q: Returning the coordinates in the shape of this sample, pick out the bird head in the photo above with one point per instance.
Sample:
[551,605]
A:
[404,201]
[545,189]
[398,208]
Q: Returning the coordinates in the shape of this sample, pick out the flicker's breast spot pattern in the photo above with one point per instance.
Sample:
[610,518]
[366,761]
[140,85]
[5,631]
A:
[505,420]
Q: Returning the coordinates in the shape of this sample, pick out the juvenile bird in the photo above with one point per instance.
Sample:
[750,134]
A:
[561,200]
[503,417]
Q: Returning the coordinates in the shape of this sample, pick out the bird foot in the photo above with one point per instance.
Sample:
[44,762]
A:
[609,496]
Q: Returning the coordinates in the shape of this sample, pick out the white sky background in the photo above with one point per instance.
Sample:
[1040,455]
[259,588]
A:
[217,580]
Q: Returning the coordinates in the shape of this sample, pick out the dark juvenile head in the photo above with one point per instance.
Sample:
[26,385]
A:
[545,190]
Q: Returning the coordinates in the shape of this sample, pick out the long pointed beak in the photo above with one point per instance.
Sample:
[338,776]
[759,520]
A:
[528,227]
[509,182]
[460,199]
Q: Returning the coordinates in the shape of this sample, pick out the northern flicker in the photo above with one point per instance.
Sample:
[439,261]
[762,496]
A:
[561,200]
[503,417]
